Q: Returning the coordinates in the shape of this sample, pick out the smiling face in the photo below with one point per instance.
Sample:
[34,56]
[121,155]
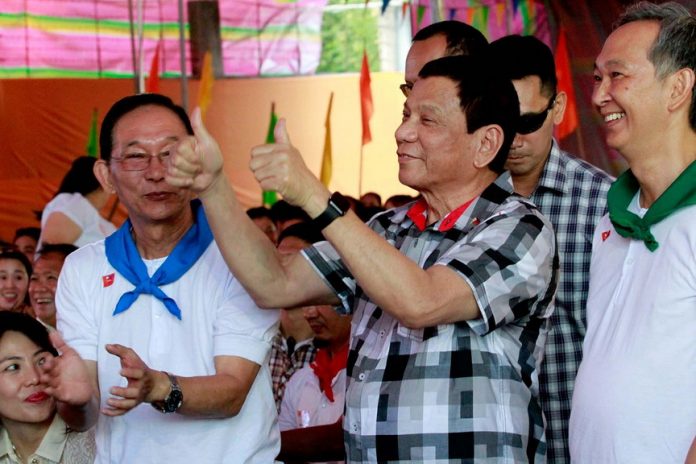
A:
[43,284]
[149,130]
[432,140]
[22,399]
[627,92]
[14,282]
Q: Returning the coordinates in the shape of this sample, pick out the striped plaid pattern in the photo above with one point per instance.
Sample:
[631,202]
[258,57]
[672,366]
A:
[283,365]
[572,194]
[463,391]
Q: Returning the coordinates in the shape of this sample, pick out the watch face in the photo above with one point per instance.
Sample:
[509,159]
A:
[340,201]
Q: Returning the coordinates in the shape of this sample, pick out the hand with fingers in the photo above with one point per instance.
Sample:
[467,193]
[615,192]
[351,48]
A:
[66,377]
[140,382]
[280,167]
[197,161]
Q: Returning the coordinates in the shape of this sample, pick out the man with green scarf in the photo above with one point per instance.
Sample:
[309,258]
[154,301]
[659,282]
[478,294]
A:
[635,393]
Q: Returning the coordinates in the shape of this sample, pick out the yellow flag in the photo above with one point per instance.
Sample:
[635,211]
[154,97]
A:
[205,90]
[326,157]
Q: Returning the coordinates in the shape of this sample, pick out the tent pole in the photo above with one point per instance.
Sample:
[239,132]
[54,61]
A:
[182,57]
[132,37]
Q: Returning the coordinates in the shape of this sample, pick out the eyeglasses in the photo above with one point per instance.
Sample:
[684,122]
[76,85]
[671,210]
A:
[141,161]
[406,88]
[532,122]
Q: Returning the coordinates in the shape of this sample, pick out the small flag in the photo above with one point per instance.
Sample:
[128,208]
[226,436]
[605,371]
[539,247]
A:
[269,197]
[326,166]
[565,84]
[92,148]
[365,99]
[205,90]
[153,80]
[108,280]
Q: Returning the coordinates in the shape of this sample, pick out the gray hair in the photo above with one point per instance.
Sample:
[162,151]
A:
[675,46]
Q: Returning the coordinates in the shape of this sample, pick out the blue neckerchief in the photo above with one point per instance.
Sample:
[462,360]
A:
[124,257]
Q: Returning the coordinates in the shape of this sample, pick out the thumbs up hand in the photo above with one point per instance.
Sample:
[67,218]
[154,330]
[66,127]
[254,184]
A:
[280,167]
[197,161]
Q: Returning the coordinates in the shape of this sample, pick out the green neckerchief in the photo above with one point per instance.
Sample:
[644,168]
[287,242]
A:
[681,193]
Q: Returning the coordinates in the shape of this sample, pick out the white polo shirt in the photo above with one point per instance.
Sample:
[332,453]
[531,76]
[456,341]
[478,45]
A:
[218,318]
[635,393]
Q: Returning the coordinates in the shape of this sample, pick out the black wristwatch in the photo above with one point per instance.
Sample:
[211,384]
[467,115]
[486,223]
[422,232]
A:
[338,206]
[174,399]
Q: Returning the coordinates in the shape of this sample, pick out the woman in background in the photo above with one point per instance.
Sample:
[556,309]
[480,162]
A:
[15,271]
[30,429]
[72,216]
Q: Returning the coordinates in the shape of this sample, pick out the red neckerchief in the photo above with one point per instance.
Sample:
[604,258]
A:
[418,214]
[326,367]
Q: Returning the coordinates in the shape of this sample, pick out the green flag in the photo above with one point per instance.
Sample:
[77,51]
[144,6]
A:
[92,148]
[269,197]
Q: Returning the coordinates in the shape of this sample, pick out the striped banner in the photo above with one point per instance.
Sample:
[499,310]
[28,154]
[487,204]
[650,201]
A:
[92,38]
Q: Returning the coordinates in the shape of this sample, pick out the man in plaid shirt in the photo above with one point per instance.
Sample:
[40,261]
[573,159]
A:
[572,194]
[450,296]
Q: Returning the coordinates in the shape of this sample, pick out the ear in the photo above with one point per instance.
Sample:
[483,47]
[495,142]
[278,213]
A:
[559,108]
[103,175]
[488,142]
[681,88]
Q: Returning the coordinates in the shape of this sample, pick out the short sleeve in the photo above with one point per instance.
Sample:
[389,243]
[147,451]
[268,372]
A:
[241,328]
[328,265]
[75,312]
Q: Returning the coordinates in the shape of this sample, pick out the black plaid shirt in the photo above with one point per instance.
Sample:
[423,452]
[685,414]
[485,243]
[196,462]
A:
[459,391]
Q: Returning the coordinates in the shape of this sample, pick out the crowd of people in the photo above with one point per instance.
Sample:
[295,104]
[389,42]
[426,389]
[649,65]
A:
[524,306]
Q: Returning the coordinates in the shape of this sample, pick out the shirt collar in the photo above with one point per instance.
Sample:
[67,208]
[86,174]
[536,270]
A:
[50,448]
[553,177]
[418,213]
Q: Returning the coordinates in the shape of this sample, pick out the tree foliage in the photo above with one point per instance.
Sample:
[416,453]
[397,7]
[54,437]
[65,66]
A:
[344,34]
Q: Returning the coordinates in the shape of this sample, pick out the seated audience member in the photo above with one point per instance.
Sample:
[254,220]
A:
[26,239]
[315,395]
[264,220]
[31,431]
[284,214]
[72,216]
[15,271]
[371,199]
[44,280]
[293,346]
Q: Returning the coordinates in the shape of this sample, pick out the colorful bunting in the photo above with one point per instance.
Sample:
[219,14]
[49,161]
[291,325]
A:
[365,99]
[326,162]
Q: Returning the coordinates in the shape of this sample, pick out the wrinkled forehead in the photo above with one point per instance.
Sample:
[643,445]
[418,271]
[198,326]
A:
[149,122]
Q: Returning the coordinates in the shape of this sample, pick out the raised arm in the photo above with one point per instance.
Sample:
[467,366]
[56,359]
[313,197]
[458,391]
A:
[272,281]
[399,286]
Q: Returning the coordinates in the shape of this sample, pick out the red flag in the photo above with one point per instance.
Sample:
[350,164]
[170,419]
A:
[365,99]
[153,80]
[565,84]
